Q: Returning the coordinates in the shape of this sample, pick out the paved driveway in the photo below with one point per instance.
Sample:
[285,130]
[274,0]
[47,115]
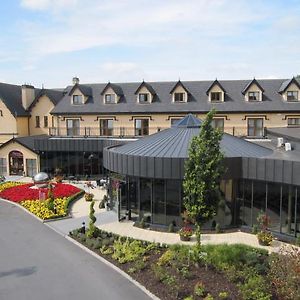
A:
[37,263]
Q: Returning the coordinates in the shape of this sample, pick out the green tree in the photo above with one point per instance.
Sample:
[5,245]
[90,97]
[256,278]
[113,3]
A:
[203,171]
[92,228]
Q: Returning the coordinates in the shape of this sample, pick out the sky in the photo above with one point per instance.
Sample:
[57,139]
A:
[48,42]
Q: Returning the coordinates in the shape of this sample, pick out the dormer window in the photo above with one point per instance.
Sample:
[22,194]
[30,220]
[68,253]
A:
[179,97]
[253,96]
[144,98]
[292,96]
[77,99]
[215,96]
[110,98]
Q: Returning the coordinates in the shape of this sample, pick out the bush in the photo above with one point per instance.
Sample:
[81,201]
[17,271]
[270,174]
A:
[218,228]
[199,289]
[166,258]
[209,297]
[265,238]
[285,273]
[254,229]
[223,295]
[171,227]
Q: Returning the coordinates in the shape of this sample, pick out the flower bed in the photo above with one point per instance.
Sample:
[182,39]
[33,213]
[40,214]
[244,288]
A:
[9,184]
[23,192]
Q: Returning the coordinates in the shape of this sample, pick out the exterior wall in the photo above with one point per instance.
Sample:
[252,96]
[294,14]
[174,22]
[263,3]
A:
[233,123]
[253,88]
[110,91]
[28,94]
[216,89]
[291,88]
[42,108]
[78,92]
[8,124]
[27,154]
[180,89]
[22,126]
[144,90]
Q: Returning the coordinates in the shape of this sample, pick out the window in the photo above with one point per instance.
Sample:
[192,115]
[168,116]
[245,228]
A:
[215,96]
[31,167]
[73,127]
[3,166]
[292,96]
[45,121]
[255,127]
[110,98]
[175,121]
[141,126]
[37,122]
[1,113]
[77,99]
[218,123]
[253,96]
[179,97]
[294,121]
[144,98]
[106,127]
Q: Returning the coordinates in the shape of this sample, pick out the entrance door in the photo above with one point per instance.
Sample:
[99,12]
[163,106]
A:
[16,163]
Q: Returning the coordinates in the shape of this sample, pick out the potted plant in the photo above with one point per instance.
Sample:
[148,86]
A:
[185,233]
[58,175]
[264,236]
[88,196]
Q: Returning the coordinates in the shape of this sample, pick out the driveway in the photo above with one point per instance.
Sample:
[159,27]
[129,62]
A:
[37,263]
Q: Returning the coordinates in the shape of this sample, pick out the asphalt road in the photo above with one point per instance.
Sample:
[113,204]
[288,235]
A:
[37,263]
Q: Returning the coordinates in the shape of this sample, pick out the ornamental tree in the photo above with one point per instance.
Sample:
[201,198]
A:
[203,171]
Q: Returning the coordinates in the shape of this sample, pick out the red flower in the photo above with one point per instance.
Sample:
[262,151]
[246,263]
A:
[25,192]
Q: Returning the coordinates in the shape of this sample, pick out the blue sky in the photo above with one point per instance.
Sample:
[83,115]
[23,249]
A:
[47,42]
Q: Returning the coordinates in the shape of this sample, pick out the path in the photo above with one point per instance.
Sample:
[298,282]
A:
[37,263]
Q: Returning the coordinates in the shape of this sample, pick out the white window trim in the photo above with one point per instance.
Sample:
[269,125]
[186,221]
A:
[214,101]
[82,97]
[104,98]
[184,97]
[149,97]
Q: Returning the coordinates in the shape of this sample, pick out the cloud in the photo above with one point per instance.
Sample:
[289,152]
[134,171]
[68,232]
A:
[47,4]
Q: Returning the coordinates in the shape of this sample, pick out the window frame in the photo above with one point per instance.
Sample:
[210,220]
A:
[77,97]
[141,95]
[294,99]
[46,122]
[251,94]
[255,128]
[176,94]
[110,101]
[105,128]
[142,130]
[74,130]
[216,93]
[37,122]
[218,120]
[293,124]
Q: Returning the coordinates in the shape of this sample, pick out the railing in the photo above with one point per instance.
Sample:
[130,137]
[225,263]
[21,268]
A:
[105,132]
[239,131]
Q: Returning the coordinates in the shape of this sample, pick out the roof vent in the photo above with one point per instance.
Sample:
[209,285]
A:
[279,142]
[288,146]
[75,80]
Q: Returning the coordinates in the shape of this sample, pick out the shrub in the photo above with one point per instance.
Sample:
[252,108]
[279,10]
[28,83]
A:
[166,258]
[184,272]
[199,289]
[92,231]
[142,223]
[189,298]
[265,238]
[218,228]
[171,227]
[209,297]
[223,295]
[285,272]
[254,229]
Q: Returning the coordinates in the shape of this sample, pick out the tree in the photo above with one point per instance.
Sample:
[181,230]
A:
[203,171]
[92,228]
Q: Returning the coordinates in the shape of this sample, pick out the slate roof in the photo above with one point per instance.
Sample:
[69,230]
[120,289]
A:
[117,89]
[254,81]
[287,83]
[54,96]
[198,99]
[216,82]
[174,143]
[11,95]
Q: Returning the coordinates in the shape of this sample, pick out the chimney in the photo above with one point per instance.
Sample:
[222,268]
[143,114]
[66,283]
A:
[75,80]
[28,95]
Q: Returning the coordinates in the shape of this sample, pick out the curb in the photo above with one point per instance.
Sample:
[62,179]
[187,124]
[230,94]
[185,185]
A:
[112,266]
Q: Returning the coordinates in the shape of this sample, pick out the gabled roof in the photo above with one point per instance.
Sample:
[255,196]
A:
[53,95]
[11,95]
[116,88]
[253,81]
[147,86]
[84,89]
[216,82]
[179,83]
[27,142]
[287,83]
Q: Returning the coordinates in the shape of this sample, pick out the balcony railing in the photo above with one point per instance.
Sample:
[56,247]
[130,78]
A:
[105,132]
[128,131]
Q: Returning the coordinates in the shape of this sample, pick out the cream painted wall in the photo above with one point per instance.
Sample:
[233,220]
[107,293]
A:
[110,91]
[179,89]
[291,88]
[78,92]
[8,124]
[27,154]
[22,126]
[216,89]
[144,90]
[162,121]
[253,88]
[42,108]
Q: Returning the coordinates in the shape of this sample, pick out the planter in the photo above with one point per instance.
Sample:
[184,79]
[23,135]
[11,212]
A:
[185,238]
